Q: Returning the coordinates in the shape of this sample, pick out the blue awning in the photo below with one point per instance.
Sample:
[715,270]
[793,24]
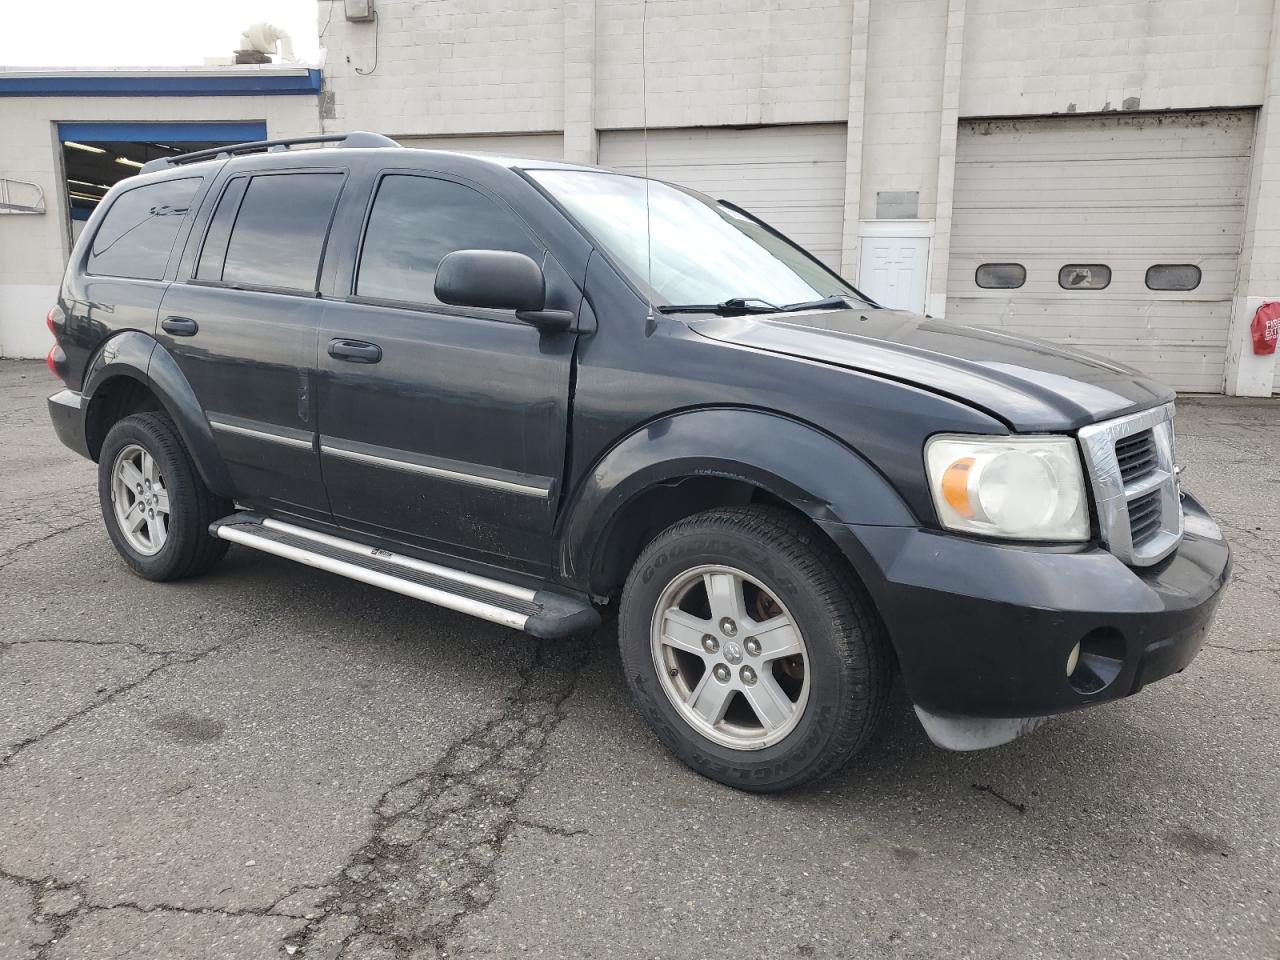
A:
[235,132]
[147,84]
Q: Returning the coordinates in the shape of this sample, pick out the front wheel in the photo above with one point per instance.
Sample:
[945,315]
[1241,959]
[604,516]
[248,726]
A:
[156,507]
[750,648]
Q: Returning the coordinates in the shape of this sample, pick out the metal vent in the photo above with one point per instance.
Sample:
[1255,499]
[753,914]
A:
[1135,484]
[1136,456]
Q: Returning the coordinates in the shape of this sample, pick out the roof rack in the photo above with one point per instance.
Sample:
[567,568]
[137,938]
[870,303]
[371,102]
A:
[358,138]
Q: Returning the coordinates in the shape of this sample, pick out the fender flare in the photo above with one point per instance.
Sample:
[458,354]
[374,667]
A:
[793,460]
[140,357]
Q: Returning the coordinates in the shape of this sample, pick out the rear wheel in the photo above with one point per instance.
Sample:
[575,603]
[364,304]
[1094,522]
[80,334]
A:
[156,507]
[750,648]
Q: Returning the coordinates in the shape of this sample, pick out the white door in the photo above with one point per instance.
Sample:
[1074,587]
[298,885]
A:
[1117,234]
[892,271]
[790,176]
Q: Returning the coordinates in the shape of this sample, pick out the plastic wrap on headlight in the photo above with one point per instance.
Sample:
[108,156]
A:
[1025,488]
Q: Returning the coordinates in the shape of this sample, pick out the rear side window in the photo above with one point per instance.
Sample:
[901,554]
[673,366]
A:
[415,222]
[271,232]
[137,234]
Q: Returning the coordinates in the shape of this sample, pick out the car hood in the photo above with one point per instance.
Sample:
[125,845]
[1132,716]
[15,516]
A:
[1030,384]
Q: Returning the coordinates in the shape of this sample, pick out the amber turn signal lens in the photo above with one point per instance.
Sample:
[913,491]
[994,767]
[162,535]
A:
[955,486]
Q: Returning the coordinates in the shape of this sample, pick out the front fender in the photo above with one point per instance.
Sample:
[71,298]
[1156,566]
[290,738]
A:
[140,357]
[794,461]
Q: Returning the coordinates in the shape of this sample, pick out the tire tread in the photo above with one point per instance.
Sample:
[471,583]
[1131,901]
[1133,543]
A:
[861,642]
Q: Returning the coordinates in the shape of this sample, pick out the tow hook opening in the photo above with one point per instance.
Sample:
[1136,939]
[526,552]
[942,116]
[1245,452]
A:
[1094,663]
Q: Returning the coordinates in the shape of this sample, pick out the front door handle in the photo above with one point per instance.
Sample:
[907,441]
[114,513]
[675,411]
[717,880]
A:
[179,326]
[355,351]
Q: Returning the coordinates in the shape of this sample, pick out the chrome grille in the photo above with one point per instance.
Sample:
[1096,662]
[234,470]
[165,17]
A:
[1144,517]
[1135,484]
[1136,456]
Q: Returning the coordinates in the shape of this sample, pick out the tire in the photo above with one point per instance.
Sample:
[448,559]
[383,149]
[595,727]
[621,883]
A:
[838,683]
[181,546]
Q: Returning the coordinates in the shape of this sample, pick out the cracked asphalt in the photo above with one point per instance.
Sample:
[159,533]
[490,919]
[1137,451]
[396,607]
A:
[273,762]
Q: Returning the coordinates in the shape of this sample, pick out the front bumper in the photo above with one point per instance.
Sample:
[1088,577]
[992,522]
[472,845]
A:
[984,630]
[66,410]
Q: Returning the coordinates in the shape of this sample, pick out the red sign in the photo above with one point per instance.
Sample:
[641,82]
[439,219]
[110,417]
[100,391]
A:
[1266,328]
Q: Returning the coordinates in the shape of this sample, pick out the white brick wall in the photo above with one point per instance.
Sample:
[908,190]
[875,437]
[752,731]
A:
[898,72]
[723,62]
[904,100]
[448,66]
[1025,57]
[33,249]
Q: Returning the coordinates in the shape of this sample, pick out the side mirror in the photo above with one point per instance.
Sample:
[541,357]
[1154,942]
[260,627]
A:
[498,280]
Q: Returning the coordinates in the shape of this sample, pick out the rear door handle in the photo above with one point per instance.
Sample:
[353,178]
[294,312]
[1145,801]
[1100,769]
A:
[355,351]
[179,326]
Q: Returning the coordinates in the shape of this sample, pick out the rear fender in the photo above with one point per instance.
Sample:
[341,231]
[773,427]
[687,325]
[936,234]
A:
[140,357]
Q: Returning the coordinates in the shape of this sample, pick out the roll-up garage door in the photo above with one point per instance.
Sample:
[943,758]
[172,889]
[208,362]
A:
[535,146]
[1118,234]
[790,176]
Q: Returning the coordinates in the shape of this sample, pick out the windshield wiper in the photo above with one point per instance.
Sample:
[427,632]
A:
[826,303]
[732,305]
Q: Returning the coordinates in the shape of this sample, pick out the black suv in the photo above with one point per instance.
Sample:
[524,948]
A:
[530,391]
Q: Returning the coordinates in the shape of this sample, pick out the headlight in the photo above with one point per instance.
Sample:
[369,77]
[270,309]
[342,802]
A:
[1026,488]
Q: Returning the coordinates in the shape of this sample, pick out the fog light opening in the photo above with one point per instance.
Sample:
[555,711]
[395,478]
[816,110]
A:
[1096,661]
[1073,659]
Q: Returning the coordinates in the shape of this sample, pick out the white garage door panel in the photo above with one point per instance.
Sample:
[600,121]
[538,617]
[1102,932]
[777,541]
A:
[536,146]
[792,177]
[1125,191]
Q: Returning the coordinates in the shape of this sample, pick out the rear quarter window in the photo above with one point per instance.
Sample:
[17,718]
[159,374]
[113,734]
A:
[137,234]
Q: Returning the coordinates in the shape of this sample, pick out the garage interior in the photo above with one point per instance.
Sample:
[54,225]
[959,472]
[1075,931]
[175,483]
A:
[97,156]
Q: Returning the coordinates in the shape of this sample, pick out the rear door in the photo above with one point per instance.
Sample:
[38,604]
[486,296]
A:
[441,426]
[243,330]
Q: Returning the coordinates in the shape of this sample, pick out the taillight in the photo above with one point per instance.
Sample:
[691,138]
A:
[57,357]
[55,360]
[54,320]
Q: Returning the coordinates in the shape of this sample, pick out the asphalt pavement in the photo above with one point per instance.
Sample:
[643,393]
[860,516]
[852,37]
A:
[272,761]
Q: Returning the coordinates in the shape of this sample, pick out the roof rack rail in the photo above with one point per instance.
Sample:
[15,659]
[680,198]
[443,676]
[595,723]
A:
[358,138]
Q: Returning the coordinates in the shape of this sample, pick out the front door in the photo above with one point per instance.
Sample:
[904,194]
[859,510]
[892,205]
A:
[893,271]
[243,332]
[442,427]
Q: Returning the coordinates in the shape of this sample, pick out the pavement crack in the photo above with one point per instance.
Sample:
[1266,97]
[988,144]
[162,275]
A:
[439,835]
[141,648]
[9,556]
[1223,646]
[987,788]
[551,829]
[169,661]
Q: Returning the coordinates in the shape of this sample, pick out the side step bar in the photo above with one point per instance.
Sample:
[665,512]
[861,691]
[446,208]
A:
[541,613]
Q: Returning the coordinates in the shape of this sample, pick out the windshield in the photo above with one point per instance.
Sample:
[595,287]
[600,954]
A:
[702,251]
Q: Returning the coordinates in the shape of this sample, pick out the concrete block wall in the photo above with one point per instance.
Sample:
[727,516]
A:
[1031,57]
[897,74]
[1248,374]
[905,58]
[447,67]
[723,62]
[34,248]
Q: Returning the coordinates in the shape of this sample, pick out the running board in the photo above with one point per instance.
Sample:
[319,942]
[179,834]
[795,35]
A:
[541,613]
